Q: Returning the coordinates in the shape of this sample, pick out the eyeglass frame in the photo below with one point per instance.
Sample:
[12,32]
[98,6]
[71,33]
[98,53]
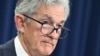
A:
[54,28]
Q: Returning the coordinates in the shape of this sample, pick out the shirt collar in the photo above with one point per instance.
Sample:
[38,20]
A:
[18,47]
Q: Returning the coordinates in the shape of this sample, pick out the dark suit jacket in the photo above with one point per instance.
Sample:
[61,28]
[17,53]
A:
[8,49]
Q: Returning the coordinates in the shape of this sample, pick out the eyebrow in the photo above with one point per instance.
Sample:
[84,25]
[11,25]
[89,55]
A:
[50,18]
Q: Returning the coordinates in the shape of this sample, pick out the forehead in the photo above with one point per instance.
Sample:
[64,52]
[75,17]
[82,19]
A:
[55,12]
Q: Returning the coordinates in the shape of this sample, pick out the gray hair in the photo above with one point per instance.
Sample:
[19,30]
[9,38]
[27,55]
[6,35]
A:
[29,7]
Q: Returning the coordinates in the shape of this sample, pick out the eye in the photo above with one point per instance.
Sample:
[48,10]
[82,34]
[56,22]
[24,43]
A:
[45,22]
[59,26]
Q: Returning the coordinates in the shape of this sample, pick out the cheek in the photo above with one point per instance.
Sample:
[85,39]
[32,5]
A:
[33,30]
[55,43]
[32,35]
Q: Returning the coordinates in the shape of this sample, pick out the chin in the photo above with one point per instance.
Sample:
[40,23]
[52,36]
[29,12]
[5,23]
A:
[46,51]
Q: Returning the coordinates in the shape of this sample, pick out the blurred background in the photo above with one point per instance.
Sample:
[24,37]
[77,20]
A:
[84,23]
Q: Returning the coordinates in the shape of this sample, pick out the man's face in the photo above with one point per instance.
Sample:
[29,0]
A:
[38,42]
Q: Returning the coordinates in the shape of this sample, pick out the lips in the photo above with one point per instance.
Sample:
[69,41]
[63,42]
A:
[48,42]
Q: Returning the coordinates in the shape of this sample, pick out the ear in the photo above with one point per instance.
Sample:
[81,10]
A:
[19,22]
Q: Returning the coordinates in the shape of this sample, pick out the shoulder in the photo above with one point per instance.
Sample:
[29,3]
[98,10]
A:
[1,50]
[7,45]
[7,48]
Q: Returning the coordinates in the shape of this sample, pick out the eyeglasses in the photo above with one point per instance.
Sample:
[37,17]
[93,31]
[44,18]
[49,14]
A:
[48,28]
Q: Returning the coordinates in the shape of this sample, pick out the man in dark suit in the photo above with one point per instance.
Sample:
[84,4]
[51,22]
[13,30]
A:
[40,23]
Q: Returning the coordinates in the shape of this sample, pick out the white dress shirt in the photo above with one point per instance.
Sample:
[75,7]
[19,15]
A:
[18,48]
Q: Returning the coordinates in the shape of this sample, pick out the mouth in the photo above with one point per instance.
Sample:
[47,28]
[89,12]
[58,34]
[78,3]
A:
[48,43]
